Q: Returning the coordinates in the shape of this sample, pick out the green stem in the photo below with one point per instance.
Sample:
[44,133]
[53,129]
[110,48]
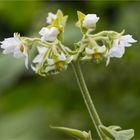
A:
[103,33]
[88,101]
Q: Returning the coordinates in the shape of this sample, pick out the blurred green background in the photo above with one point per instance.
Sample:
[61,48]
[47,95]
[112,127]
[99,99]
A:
[30,103]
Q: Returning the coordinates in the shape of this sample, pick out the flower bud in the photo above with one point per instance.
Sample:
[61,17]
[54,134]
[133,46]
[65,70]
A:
[49,34]
[90,21]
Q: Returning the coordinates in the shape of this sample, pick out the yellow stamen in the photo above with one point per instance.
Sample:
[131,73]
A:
[22,48]
[97,56]
[59,64]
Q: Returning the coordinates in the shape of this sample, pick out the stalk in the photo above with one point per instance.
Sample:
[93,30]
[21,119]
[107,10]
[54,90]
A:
[87,99]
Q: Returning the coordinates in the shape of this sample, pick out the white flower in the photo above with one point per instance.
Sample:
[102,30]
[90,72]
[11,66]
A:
[118,47]
[95,53]
[90,21]
[62,57]
[39,57]
[54,65]
[101,49]
[50,18]
[49,34]
[16,46]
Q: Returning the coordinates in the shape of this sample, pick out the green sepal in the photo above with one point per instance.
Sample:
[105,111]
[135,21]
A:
[60,35]
[59,23]
[23,40]
[62,19]
[114,133]
[114,127]
[122,32]
[82,135]
[81,17]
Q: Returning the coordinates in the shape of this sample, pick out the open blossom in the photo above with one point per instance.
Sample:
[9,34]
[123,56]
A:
[95,53]
[50,18]
[49,34]
[118,47]
[60,63]
[45,64]
[17,47]
[90,21]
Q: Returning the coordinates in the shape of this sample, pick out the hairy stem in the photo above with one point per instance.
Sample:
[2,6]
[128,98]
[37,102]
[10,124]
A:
[87,98]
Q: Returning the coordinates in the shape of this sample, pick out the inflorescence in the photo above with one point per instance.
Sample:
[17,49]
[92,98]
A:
[53,56]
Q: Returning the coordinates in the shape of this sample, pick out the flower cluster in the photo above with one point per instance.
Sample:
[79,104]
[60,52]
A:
[103,45]
[54,57]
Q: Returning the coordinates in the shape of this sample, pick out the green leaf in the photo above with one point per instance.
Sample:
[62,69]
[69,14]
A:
[82,135]
[112,133]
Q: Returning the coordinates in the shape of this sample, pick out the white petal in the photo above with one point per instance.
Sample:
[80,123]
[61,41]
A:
[101,49]
[8,50]
[90,21]
[38,59]
[50,18]
[50,61]
[18,53]
[62,57]
[42,50]
[9,45]
[50,34]
[126,40]
[86,57]
[89,51]
[54,31]
[44,31]
[49,68]
[117,51]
